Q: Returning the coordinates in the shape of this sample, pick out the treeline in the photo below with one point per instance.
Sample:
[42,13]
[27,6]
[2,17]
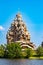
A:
[14,50]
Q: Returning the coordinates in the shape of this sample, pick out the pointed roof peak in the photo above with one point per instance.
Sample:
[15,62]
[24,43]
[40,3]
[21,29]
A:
[18,15]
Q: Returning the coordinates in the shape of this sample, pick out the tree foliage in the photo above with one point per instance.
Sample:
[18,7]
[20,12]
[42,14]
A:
[2,51]
[28,52]
[40,51]
[13,50]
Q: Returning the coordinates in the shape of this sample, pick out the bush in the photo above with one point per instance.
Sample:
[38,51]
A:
[1,51]
[13,50]
[28,52]
[39,51]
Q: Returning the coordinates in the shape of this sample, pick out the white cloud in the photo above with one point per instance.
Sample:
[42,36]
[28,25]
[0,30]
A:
[1,28]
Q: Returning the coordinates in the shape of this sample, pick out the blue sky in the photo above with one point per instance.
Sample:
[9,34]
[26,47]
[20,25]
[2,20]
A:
[32,12]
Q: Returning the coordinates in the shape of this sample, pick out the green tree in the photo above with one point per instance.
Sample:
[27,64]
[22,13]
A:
[28,52]
[2,51]
[18,50]
[39,51]
[13,50]
[42,44]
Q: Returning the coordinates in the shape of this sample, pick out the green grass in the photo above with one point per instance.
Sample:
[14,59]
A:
[36,58]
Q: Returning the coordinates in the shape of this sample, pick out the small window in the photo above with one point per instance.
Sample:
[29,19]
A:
[18,25]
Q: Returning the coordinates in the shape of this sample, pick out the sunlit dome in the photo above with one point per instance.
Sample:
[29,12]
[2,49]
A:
[19,16]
